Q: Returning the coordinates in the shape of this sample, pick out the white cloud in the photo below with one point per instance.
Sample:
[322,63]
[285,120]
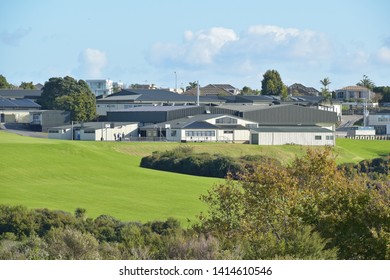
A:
[92,62]
[383,55]
[199,48]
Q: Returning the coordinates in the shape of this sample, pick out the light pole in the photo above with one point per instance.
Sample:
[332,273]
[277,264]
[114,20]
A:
[175,81]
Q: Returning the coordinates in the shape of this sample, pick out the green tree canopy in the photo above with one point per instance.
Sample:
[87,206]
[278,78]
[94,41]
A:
[272,84]
[4,83]
[25,85]
[192,85]
[70,95]
[275,210]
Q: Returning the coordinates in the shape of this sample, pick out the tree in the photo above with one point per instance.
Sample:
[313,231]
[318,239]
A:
[325,89]
[366,82]
[385,93]
[191,85]
[274,211]
[3,82]
[272,83]
[248,91]
[70,95]
[25,85]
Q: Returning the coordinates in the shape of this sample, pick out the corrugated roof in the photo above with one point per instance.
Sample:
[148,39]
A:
[20,93]
[92,125]
[154,109]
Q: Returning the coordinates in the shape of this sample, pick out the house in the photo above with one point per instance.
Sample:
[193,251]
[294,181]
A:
[16,110]
[354,93]
[42,120]
[299,89]
[95,131]
[202,128]
[215,90]
[297,135]
[129,98]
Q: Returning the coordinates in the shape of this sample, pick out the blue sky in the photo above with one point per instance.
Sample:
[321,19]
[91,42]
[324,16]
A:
[211,41]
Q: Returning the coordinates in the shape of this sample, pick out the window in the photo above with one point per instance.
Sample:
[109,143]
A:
[89,131]
[226,120]
[207,133]
[251,125]
[318,137]
[173,133]
[383,119]
[329,137]
[228,132]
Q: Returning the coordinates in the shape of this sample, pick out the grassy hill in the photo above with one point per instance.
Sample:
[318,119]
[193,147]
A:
[105,178]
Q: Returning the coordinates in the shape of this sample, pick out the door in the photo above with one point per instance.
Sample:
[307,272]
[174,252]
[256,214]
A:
[255,138]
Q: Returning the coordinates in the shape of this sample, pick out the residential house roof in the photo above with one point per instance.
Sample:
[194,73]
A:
[6,103]
[354,88]
[214,90]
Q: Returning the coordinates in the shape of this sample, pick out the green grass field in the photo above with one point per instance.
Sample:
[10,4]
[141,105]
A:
[105,178]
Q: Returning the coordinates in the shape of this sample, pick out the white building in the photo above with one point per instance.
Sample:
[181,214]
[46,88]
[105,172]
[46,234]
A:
[95,131]
[103,87]
[297,135]
[361,132]
[203,128]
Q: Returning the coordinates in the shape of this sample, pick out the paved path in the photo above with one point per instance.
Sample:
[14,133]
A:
[22,130]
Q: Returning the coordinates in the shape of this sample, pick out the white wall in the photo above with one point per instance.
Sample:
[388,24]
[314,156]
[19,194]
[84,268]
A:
[298,138]
[130,130]
[63,134]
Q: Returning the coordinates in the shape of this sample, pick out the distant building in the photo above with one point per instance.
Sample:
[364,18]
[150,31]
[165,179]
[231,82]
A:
[104,87]
[95,131]
[353,93]
[215,90]
[32,94]
[381,122]
[44,119]
[299,89]
[14,111]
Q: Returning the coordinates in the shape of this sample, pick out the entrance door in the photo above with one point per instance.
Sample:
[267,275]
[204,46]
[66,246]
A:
[255,138]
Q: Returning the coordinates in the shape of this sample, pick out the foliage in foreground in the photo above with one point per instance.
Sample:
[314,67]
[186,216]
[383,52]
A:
[269,210]
[310,209]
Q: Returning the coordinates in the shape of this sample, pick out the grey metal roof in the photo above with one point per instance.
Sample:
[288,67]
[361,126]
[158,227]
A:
[154,109]
[20,93]
[6,103]
[92,125]
[180,123]
[200,125]
[291,129]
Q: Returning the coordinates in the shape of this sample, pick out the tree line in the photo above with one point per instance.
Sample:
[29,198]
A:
[309,209]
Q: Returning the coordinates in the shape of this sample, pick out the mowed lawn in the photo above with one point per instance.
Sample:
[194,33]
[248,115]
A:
[105,177]
[65,175]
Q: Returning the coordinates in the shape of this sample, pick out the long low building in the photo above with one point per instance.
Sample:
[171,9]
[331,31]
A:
[95,131]
[297,135]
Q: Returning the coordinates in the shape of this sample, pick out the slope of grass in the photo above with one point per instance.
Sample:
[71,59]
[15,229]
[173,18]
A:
[105,178]
[65,175]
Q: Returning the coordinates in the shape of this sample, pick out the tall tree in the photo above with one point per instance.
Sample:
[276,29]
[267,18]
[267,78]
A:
[4,83]
[70,95]
[272,83]
[366,82]
[325,89]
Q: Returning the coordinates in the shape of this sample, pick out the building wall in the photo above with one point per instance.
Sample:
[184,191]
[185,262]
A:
[297,138]
[100,87]
[16,116]
[63,134]
[380,121]
[130,130]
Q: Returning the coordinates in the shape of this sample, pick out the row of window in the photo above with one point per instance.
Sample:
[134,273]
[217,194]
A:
[327,137]
[210,133]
